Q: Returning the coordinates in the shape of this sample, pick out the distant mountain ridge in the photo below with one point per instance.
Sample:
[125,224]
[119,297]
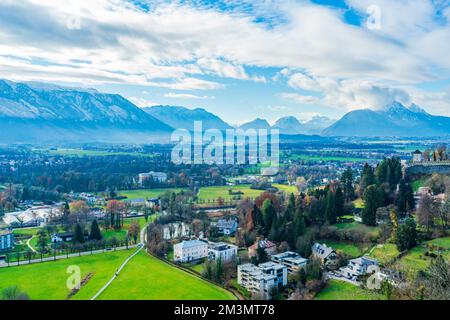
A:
[393,120]
[44,112]
[183,118]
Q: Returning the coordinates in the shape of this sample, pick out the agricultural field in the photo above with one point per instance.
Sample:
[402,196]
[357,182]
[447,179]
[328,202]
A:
[147,193]
[286,188]
[93,153]
[418,258]
[340,290]
[317,157]
[213,193]
[148,278]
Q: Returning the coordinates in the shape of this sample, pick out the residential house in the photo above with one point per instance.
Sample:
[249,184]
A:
[267,245]
[6,240]
[227,227]
[358,267]
[62,237]
[221,250]
[190,250]
[262,279]
[292,260]
[323,252]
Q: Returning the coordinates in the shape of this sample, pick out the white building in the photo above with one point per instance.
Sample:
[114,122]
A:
[191,250]
[292,260]
[262,279]
[323,252]
[156,176]
[359,266]
[221,250]
[6,240]
[417,156]
[34,216]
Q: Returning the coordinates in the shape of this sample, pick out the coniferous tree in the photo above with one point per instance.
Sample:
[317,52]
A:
[406,235]
[330,208]
[372,202]
[340,201]
[78,234]
[95,231]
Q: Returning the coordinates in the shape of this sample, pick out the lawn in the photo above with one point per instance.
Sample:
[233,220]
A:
[47,281]
[147,193]
[340,290]
[354,250]
[357,226]
[213,193]
[148,278]
[416,260]
[384,253]
[286,188]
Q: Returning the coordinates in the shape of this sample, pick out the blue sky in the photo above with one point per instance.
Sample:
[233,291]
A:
[237,59]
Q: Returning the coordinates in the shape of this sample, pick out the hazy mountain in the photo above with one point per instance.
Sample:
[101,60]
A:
[288,125]
[256,124]
[316,125]
[33,112]
[393,120]
[183,118]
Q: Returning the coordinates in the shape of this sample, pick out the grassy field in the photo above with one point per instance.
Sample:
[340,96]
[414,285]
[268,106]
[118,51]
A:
[286,188]
[416,260]
[144,278]
[92,153]
[340,290]
[354,250]
[384,253]
[147,193]
[310,157]
[47,281]
[147,278]
[213,193]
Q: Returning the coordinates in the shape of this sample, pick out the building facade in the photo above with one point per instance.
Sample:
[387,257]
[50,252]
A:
[6,240]
[262,279]
[190,250]
[221,250]
[292,260]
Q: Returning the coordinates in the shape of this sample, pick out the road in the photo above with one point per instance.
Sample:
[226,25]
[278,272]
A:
[29,245]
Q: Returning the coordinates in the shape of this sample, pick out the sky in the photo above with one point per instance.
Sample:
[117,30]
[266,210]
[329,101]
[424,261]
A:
[239,59]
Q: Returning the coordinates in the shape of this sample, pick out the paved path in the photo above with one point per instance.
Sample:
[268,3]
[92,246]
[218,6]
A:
[29,245]
[60,257]
[141,245]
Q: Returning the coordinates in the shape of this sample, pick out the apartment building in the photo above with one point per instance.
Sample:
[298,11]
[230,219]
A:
[292,260]
[263,278]
[6,240]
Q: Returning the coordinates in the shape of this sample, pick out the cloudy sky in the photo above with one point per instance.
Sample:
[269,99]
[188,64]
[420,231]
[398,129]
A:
[239,59]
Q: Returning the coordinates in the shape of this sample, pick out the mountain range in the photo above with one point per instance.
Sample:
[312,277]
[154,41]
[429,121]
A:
[393,120]
[34,112]
[43,113]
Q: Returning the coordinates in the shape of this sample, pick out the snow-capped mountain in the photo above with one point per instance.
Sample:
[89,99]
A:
[393,120]
[44,112]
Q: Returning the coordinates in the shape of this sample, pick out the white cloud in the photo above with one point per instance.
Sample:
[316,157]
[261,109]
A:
[186,96]
[143,103]
[305,99]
